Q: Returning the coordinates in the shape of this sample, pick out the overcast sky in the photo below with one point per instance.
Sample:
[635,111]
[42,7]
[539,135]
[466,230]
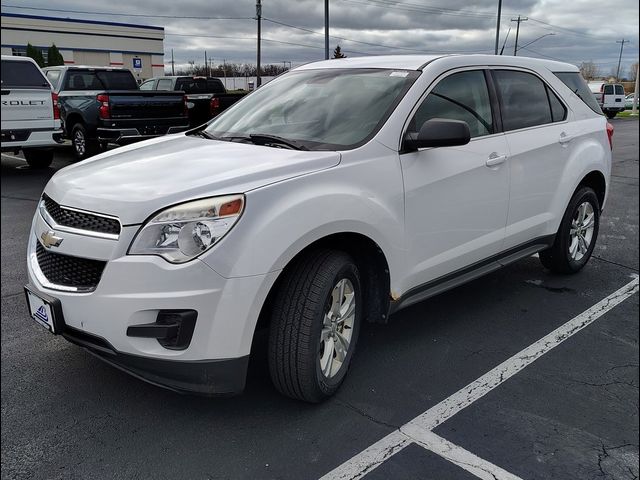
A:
[583,30]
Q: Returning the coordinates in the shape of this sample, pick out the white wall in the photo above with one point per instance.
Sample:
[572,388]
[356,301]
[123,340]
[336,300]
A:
[237,83]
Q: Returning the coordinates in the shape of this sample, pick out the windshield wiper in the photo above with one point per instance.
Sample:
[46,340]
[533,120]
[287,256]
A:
[265,139]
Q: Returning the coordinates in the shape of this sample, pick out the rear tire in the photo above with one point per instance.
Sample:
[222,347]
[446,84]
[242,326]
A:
[611,115]
[83,146]
[315,322]
[576,237]
[38,158]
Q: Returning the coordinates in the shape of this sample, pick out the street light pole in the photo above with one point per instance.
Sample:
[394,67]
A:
[498,26]
[326,29]
[519,20]
[535,40]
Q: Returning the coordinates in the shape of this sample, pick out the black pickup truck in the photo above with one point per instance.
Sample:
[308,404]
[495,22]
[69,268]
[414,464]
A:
[206,96]
[102,105]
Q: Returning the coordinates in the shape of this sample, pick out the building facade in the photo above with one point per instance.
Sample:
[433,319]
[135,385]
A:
[88,42]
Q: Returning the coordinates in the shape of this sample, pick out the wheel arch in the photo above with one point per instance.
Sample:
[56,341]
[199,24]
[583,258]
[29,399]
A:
[596,181]
[371,262]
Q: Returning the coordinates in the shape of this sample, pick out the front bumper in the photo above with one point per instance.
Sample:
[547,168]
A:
[203,377]
[134,289]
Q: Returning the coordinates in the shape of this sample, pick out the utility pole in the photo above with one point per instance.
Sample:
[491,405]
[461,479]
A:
[206,63]
[326,29]
[498,26]
[173,63]
[519,20]
[621,42]
[259,19]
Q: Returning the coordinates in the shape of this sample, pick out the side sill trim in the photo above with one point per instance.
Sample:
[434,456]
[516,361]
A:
[466,274]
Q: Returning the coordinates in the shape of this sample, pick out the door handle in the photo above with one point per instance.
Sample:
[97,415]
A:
[494,160]
[564,138]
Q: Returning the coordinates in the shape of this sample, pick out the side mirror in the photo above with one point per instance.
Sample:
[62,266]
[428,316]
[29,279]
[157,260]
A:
[438,132]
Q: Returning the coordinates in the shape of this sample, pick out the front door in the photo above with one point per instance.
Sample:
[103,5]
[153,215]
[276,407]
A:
[456,198]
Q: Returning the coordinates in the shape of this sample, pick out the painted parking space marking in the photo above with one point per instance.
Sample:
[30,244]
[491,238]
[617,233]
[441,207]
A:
[419,430]
[13,157]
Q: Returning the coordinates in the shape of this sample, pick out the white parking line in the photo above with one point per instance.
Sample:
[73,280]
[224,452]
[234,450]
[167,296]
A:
[13,157]
[420,427]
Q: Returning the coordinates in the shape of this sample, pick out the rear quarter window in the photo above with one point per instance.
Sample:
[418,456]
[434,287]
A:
[21,74]
[575,83]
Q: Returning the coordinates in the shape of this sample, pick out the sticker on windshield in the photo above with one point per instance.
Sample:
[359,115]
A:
[399,74]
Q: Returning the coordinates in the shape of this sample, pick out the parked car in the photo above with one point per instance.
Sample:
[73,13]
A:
[30,114]
[628,101]
[206,96]
[338,193]
[102,105]
[610,97]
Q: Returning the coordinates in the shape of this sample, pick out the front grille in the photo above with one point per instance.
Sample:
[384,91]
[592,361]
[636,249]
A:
[80,220]
[81,273]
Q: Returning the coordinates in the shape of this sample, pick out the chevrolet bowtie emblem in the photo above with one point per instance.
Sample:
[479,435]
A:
[49,239]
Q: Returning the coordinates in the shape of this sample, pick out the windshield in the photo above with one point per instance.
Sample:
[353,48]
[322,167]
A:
[318,109]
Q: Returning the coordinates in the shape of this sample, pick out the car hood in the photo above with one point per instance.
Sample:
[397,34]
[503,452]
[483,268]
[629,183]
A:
[133,182]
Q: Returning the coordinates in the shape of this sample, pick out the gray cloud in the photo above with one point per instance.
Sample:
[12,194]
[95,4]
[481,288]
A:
[583,30]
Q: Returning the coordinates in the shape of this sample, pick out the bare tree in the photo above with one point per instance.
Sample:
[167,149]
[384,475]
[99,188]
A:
[633,71]
[589,70]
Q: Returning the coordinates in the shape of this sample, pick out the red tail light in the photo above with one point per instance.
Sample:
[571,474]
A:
[610,134]
[214,105]
[185,107]
[103,109]
[56,107]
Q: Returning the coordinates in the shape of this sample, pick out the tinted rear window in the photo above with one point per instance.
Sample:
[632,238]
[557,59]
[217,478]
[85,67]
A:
[608,89]
[22,74]
[199,85]
[619,90]
[100,80]
[577,85]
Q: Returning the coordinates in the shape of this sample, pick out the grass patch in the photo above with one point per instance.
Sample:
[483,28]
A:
[627,114]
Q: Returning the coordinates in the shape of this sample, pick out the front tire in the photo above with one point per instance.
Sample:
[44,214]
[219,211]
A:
[315,322]
[576,237]
[38,158]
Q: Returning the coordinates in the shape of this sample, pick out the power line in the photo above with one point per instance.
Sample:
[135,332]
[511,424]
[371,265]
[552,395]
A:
[85,12]
[371,44]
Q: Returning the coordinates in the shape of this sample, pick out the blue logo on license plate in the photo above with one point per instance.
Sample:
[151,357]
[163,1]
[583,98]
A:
[41,313]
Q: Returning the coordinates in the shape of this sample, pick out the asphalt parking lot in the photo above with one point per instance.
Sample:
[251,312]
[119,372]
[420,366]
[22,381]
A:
[570,414]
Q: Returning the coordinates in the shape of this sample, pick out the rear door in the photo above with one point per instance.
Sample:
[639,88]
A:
[26,97]
[540,144]
[614,96]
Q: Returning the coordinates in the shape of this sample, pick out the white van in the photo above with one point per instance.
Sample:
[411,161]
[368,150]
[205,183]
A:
[610,97]
[30,114]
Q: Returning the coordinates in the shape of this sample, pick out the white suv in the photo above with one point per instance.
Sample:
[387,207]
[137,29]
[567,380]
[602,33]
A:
[30,114]
[336,194]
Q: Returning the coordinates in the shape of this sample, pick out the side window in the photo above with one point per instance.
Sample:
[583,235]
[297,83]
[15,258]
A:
[165,84]
[53,76]
[558,110]
[619,90]
[461,96]
[608,89]
[148,85]
[524,99]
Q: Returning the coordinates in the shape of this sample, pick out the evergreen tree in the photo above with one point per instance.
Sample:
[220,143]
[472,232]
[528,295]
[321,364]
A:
[36,54]
[337,53]
[54,57]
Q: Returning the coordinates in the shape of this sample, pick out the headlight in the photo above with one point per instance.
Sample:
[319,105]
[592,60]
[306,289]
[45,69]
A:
[182,232]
